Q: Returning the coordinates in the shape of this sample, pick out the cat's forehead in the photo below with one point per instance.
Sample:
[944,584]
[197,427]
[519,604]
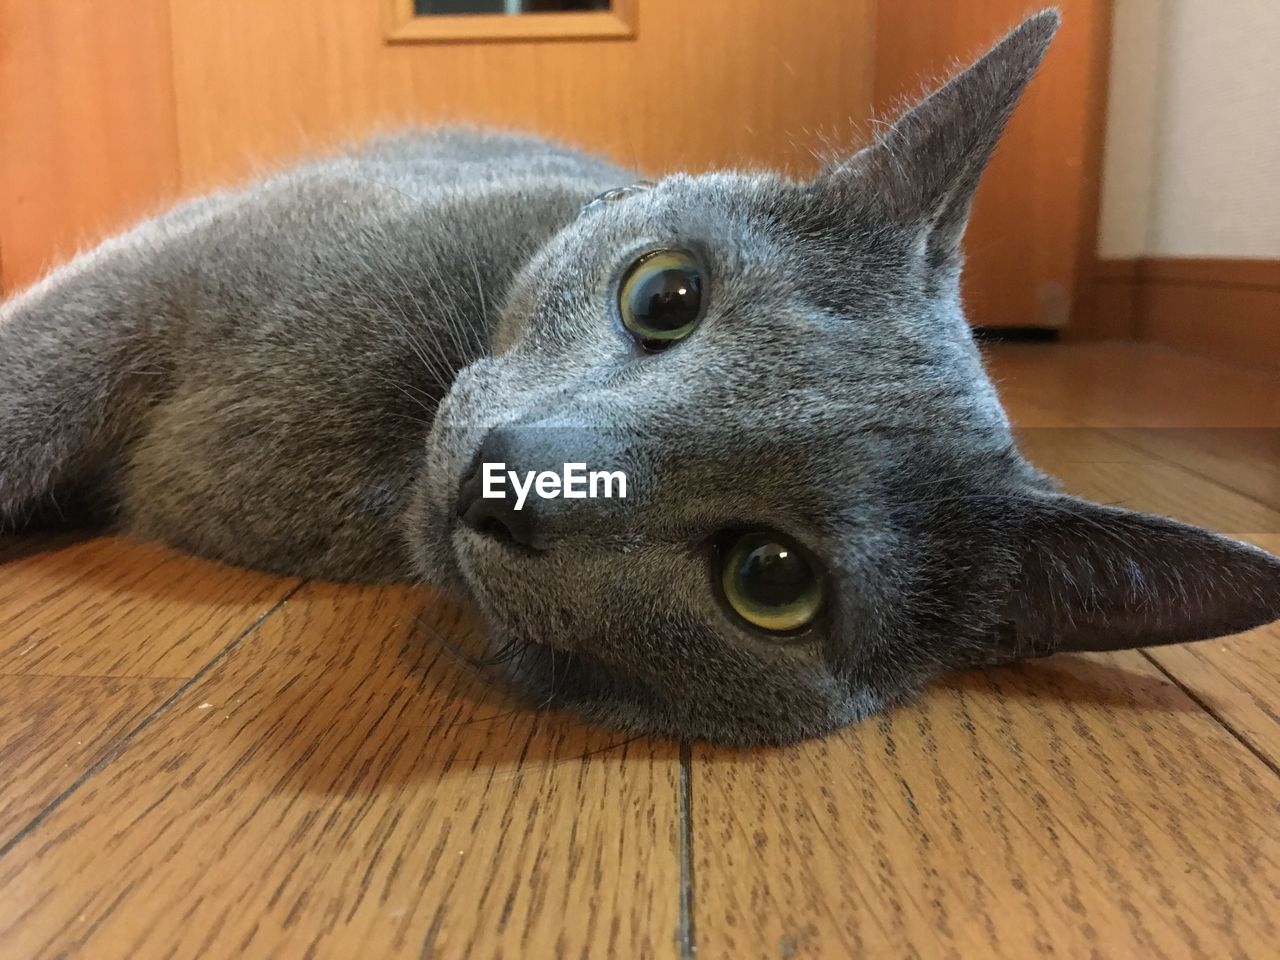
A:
[828,350]
[714,210]
[810,332]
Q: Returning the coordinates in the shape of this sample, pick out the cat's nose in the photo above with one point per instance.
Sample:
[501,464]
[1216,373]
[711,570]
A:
[498,517]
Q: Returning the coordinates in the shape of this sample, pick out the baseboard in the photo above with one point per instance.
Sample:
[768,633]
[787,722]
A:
[1112,308]
[1229,309]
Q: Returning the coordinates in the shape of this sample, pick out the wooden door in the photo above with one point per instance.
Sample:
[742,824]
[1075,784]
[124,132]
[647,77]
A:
[110,109]
[700,83]
[87,134]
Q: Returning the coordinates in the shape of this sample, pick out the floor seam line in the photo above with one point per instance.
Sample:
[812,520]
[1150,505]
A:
[687,935]
[1213,712]
[121,744]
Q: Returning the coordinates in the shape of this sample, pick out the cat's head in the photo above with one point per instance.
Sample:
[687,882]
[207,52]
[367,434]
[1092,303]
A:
[824,505]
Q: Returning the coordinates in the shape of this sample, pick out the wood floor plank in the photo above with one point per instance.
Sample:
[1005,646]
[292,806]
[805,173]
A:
[335,783]
[1246,460]
[1218,420]
[53,729]
[1076,807]
[1133,385]
[1165,488]
[340,786]
[114,607]
[1238,678]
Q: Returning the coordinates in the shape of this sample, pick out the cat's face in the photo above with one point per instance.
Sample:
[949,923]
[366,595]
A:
[817,400]
[823,506]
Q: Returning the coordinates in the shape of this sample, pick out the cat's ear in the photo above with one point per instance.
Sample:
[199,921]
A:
[926,167]
[1095,577]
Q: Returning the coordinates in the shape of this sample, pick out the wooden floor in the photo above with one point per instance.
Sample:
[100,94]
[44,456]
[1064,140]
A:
[198,761]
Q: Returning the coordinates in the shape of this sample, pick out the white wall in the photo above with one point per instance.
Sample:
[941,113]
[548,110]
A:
[1192,162]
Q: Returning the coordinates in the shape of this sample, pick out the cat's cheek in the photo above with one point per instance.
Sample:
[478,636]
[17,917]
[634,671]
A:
[425,529]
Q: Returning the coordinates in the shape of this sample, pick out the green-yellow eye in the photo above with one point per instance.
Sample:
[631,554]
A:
[770,583]
[660,299]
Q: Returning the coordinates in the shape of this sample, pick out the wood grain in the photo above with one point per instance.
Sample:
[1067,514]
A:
[1225,478]
[116,608]
[1166,488]
[338,786]
[1079,807]
[714,83]
[1243,459]
[330,780]
[1127,385]
[54,729]
[1219,421]
[1237,678]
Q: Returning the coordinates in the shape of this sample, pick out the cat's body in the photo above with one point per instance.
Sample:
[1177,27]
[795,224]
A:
[825,506]
[283,345]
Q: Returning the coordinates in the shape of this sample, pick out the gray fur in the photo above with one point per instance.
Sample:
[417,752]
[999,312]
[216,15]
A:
[297,376]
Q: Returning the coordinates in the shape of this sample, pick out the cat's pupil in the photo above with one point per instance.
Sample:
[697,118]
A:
[667,299]
[774,575]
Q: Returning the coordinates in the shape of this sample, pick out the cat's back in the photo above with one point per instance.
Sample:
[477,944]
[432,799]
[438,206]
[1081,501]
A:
[379,221]
[421,196]
[452,158]
[468,188]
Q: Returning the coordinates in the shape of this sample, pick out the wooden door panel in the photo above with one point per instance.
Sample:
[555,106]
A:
[702,84]
[87,135]
[110,109]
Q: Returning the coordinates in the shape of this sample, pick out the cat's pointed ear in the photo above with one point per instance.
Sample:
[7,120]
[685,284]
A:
[1095,577]
[926,167]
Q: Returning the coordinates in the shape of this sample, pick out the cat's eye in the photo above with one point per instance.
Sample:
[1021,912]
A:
[770,583]
[660,298]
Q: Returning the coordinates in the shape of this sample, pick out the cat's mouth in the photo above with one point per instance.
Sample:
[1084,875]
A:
[490,535]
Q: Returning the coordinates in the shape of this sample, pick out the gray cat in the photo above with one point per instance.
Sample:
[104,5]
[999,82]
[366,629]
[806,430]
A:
[825,507]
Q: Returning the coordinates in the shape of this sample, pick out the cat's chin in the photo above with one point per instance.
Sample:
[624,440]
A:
[577,682]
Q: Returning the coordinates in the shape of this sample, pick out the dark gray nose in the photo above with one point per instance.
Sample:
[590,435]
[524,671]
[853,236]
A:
[497,517]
